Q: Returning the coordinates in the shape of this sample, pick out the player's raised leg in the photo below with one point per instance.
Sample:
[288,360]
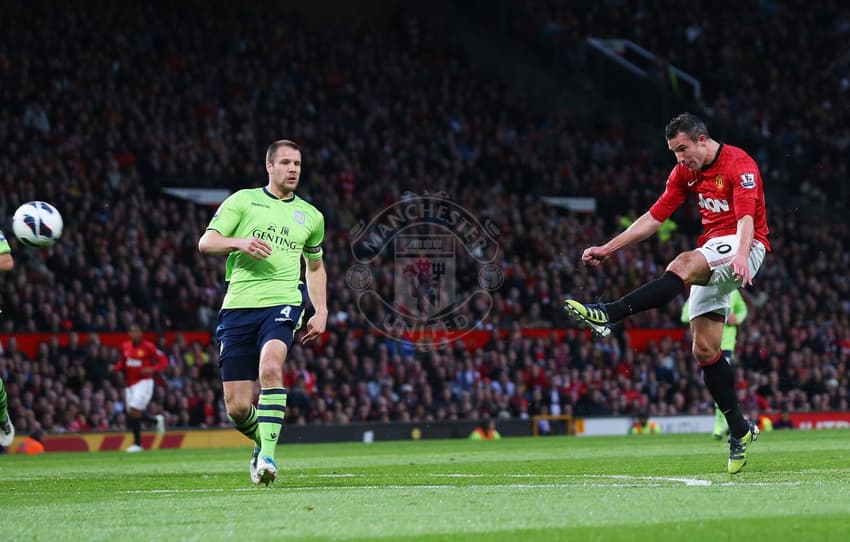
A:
[687,268]
[592,315]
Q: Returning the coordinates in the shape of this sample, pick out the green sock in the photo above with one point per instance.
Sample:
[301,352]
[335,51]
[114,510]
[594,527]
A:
[272,411]
[4,414]
[248,426]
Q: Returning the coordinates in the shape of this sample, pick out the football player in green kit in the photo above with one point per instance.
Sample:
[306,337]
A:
[7,430]
[265,233]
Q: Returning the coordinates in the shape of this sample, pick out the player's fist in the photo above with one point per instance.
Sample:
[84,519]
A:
[741,269]
[594,256]
[315,327]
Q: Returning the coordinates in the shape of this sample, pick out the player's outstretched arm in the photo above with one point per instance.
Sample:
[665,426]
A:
[215,244]
[317,280]
[640,229]
[741,262]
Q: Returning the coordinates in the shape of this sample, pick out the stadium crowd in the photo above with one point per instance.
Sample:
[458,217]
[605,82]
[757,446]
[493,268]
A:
[793,101]
[162,102]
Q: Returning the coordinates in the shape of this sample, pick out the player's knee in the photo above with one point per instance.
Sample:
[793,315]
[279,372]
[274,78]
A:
[273,351]
[704,352]
[271,374]
[238,410]
[238,406]
[691,267]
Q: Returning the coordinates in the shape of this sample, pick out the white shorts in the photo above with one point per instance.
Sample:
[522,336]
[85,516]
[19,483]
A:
[714,296]
[139,394]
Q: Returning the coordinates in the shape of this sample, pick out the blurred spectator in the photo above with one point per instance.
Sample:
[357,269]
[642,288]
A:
[147,98]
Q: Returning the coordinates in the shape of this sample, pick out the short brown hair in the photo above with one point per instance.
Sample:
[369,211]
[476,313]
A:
[686,123]
[278,144]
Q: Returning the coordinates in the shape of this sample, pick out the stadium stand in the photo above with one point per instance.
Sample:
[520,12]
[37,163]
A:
[109,103]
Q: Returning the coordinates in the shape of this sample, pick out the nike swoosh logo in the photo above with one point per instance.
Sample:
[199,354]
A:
[693,182]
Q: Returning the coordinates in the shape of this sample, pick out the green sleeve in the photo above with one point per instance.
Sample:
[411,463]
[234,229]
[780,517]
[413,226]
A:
[313,244]
[739,306]
[227,217]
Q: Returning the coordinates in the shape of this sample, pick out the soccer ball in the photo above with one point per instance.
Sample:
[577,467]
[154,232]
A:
[37,224]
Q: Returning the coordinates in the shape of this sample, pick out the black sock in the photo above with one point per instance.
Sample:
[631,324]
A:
[651,295]
[719,378]
[136,427]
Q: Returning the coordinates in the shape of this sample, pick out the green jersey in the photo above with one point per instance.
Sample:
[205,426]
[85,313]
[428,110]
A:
[738,307]
[292,227]
[4,244]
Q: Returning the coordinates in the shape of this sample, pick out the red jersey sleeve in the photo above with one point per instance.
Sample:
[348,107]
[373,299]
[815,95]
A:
[156,354]
[674,194]
[748,186]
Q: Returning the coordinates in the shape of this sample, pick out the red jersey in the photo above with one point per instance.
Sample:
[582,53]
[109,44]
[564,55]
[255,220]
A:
[727,189]
[136,357]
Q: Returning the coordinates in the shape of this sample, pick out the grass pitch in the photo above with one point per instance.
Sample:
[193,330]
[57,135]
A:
[662,487]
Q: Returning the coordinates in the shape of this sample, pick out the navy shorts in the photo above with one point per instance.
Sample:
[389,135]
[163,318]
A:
[241,334]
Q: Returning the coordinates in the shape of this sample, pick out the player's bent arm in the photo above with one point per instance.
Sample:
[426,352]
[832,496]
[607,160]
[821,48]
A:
[745,232]
[639,230]
[161,361]
[317,280]
[317,289]
[740,263]
[215,244]
[7,263]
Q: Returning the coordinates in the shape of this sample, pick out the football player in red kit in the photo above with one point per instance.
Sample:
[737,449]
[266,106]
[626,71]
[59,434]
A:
[140,360]
[727,186]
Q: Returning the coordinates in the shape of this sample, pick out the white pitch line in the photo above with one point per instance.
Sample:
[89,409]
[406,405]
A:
[648,481]
[759,484]
[437,487]
[568,480]
[686,481]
